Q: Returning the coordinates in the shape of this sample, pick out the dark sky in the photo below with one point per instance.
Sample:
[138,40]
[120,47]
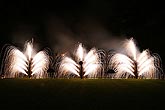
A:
[59,24]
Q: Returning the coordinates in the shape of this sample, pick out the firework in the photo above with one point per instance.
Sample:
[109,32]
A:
[17,63]
[105,57]
[134,63]
[84,65]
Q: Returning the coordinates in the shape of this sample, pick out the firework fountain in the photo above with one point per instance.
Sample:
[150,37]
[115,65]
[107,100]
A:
[28,63]
[136,64]
[106,71]
[83,65]
[55,63]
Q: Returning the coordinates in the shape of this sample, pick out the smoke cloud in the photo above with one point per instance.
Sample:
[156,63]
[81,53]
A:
[64,36]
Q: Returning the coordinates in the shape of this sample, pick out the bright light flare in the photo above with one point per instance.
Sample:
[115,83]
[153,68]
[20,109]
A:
[80,52]
[131,48]
[29,50]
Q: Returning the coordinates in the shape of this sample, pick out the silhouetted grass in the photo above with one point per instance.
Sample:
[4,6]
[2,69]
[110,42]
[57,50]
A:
[82,94]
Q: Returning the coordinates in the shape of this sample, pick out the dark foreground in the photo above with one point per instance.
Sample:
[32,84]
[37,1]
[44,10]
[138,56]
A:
[82,94]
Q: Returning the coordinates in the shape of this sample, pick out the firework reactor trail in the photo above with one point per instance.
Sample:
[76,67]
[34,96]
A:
[20,64]
[84,65]
[136,64]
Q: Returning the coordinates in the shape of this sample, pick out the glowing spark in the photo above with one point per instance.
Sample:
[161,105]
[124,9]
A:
[40,63]
[90,63]
[69,65]
[17,62]
[142,64]
[29,50]
[80,52]
[131,48]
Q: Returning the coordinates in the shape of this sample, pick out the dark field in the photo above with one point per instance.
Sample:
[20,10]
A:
[81,94]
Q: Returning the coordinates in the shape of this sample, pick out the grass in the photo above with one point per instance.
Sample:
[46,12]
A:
[82,94]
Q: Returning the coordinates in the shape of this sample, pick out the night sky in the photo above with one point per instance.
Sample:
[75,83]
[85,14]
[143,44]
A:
[59,24]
